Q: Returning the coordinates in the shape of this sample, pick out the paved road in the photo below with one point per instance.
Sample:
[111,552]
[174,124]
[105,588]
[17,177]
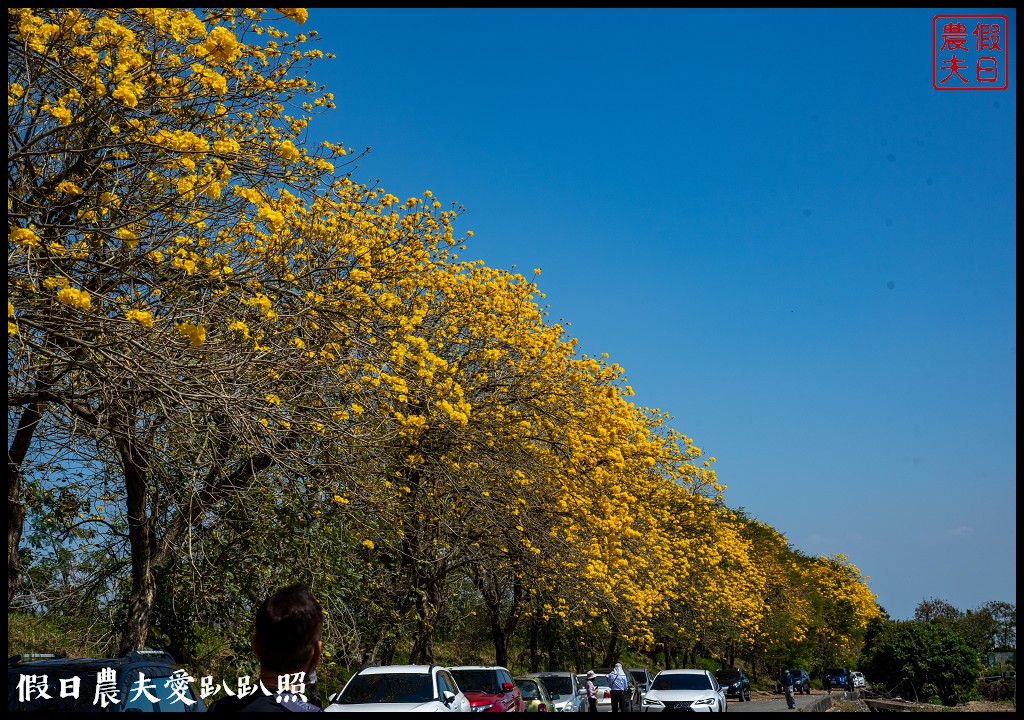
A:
[772,703]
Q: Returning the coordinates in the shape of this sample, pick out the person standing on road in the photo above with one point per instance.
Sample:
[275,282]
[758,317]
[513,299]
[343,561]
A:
[787,687]
[828,683]
[592,690]
[849,682]
[620,684]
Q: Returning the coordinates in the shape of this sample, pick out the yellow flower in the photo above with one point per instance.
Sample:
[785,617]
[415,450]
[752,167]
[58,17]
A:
[142,317]
[221,46]
[273,399]
[23,236]
[68,188]
[288,150]
[124,93]
[299,15]
[75,297]
[368,544]
[195,333]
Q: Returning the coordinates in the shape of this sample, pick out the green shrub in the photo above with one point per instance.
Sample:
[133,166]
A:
[929,654]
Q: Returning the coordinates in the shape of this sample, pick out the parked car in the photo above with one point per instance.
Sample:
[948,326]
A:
[604,690]
[858,679]
[535,694]
[801,682]
[566,692]
[489,688]
[735,682]
[641,681]
[685,690]
[400,688]
[142,681]
[836,678]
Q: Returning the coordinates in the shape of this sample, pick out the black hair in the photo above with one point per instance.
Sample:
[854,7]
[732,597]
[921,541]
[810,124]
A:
[289,624]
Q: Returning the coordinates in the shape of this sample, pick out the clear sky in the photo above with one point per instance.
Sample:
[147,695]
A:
[791,241]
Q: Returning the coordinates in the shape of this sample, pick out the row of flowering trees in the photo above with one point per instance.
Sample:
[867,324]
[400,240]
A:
[230,365]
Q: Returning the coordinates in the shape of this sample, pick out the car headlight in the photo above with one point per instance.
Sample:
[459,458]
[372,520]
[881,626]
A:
[705,701]
[481,708]
[653,702]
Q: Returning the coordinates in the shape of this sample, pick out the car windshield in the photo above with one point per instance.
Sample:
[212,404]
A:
[558,684]
[836,672]
[682,681]
[529,689]
[485,681]
[639,676]
[388,688]
[727,677]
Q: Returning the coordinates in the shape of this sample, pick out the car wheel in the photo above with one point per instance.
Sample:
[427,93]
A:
[748,694]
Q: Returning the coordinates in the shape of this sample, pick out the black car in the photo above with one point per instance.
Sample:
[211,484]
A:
[142,681]
[735,683]
[801,682]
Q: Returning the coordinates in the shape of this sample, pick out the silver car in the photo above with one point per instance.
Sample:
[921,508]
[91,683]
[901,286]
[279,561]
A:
[566,692]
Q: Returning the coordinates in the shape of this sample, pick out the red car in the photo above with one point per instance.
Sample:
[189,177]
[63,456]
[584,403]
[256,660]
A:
[489,688]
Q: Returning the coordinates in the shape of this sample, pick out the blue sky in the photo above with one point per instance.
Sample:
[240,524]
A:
[791,241]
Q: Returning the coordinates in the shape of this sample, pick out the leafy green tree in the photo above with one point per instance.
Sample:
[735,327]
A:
[929,654]
[1004,623]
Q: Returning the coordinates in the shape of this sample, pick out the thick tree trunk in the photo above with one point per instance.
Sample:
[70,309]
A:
[612,652]
[502,628]
[534,647]
[428,605]
[501,642]
[142,596]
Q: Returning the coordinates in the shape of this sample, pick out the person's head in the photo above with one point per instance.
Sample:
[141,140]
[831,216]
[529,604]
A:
[618,667]
[289,625]
[591,674]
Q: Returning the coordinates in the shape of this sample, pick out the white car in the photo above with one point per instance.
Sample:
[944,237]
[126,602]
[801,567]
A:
[685,691]
[400,688]
[858,680]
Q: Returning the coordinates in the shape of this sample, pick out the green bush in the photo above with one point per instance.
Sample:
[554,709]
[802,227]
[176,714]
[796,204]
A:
[935,659]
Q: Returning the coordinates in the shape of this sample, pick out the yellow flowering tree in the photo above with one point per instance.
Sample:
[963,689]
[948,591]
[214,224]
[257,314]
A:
[184,276]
